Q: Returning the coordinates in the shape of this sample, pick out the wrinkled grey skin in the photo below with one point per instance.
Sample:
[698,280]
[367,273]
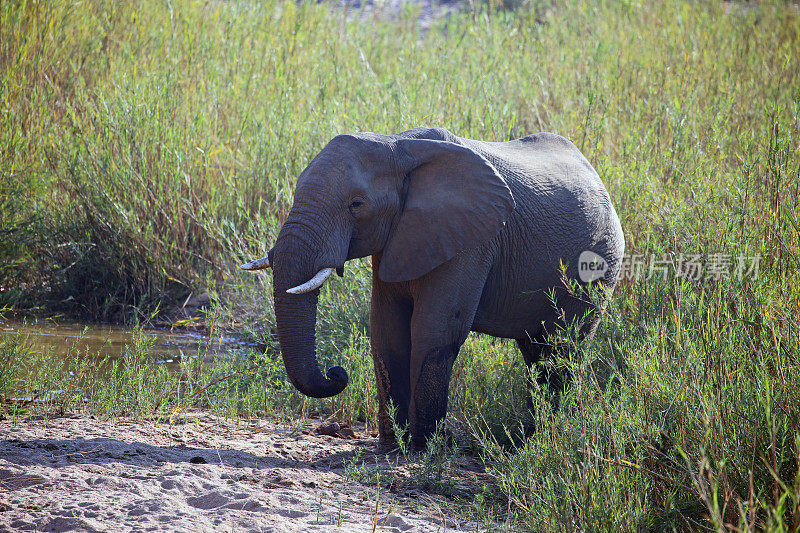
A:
[464,235]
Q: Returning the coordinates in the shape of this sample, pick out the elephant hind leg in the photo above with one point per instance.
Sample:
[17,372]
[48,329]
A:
[537,353]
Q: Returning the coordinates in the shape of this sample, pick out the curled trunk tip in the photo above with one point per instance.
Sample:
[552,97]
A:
[337,380]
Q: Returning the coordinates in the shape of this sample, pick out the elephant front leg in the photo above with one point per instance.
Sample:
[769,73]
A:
[393,400]
[391,351]
[431,372]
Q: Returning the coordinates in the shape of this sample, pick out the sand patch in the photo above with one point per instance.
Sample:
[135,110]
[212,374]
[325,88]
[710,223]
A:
[77,473]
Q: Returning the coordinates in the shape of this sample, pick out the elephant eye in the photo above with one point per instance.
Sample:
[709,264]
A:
[355,204]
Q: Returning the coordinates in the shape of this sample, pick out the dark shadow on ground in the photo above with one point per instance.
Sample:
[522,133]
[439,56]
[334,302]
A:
[103,451]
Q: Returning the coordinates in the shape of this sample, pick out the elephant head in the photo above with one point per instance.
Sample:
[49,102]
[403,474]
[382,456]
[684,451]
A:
[417,198]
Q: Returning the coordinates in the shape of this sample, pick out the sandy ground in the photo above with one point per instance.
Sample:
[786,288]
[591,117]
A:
[76,473]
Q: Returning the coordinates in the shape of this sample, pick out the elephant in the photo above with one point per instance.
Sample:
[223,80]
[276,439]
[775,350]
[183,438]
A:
[464,235]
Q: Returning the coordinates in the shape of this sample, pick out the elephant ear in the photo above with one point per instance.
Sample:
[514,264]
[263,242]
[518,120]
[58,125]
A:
[455,200]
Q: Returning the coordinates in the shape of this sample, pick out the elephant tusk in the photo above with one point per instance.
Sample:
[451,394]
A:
[256,264]
[314,283]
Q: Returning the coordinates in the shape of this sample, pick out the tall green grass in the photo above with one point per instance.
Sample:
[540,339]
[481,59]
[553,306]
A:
[147,148]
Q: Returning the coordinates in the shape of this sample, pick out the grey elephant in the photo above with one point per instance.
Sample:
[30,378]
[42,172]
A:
[464,236]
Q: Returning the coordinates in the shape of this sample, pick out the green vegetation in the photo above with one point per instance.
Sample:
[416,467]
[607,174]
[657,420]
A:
[135,384]
[148,148]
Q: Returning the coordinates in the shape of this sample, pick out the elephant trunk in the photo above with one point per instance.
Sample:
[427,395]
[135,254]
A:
[296,316]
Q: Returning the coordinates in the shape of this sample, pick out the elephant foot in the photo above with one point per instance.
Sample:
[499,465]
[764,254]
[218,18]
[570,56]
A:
[530,428]
[388,439]
[418,444]
[441,439]
[387,442]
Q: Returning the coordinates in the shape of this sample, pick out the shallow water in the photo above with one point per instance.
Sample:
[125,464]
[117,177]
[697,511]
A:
[105,340]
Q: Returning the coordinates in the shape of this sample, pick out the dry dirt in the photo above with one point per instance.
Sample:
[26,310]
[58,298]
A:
[199,473]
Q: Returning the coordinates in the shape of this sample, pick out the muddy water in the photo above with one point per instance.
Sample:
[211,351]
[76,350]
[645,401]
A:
[103,340]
